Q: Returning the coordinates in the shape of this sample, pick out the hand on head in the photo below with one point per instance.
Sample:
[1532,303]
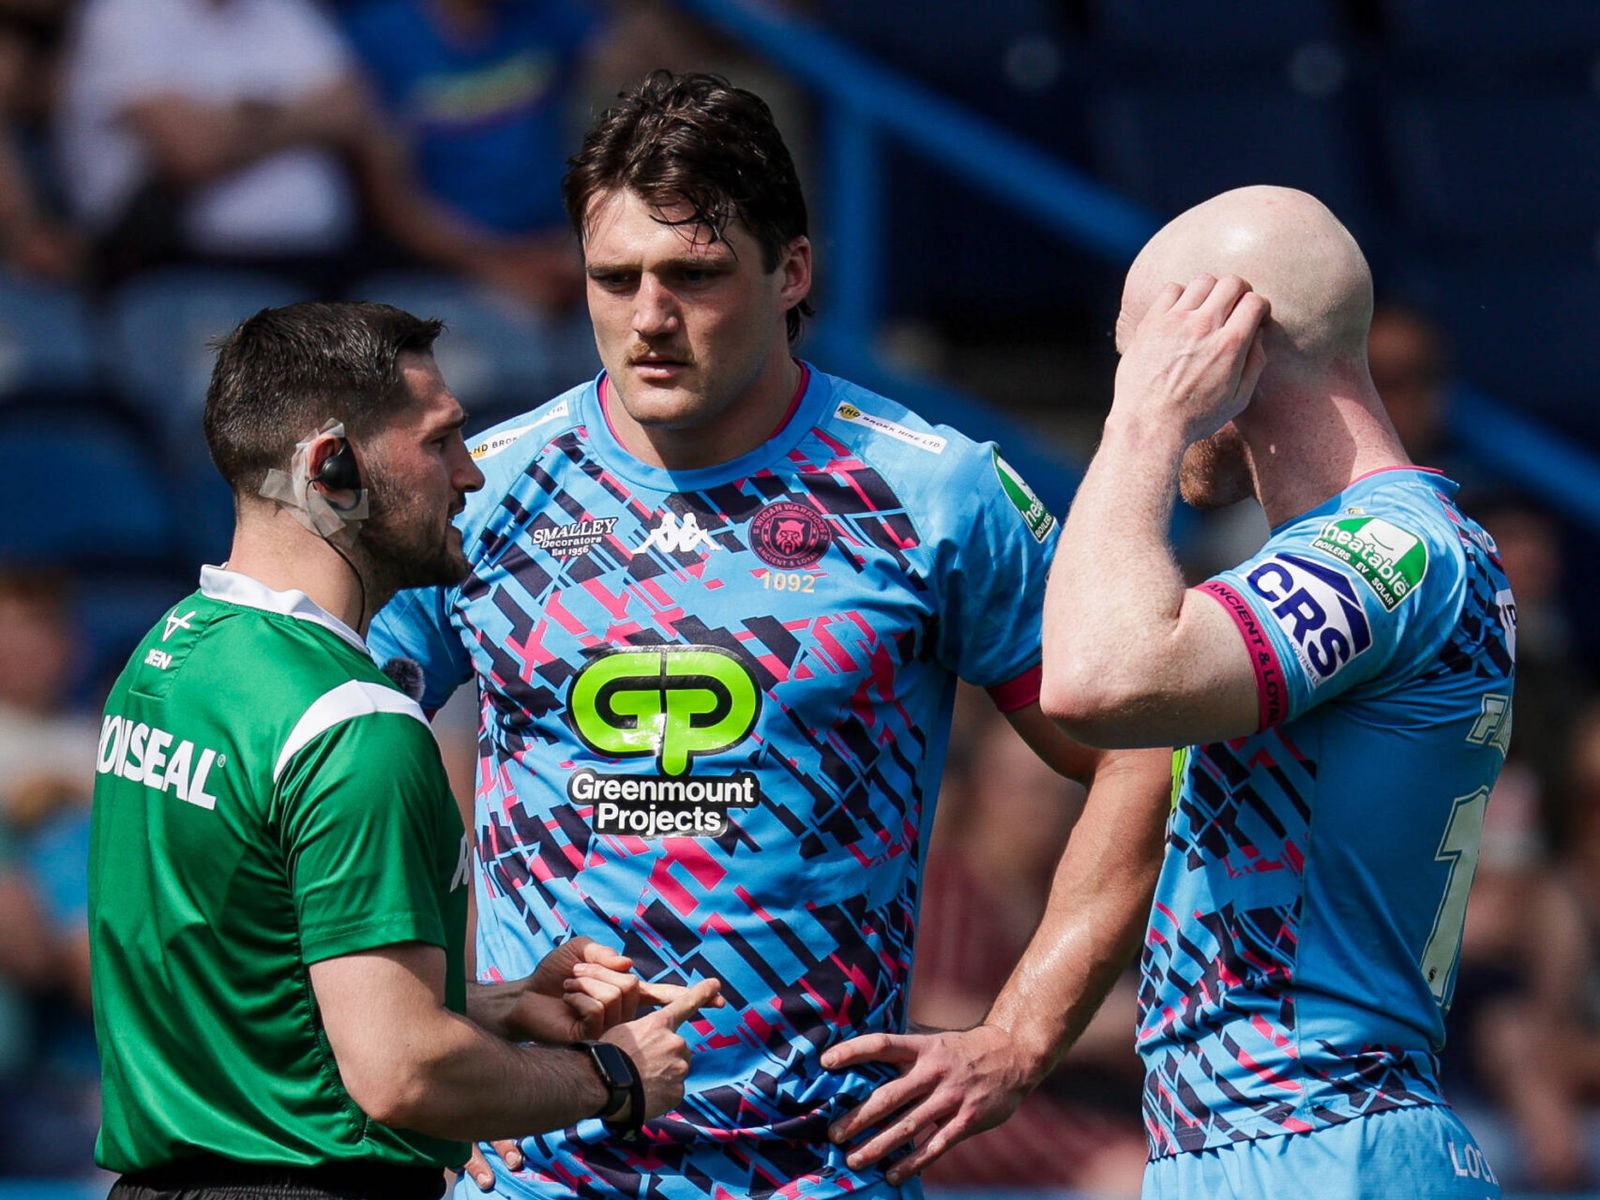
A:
[1196,356]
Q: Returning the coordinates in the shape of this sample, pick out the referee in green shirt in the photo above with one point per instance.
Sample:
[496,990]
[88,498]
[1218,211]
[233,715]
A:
[278,872]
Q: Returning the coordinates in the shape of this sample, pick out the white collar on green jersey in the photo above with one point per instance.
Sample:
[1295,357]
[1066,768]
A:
[219,583]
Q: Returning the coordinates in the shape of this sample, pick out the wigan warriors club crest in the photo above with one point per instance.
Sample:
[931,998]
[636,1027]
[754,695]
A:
[790,536]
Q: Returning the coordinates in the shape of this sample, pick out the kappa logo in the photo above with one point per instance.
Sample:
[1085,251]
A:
[677,535]
[1318,608]
[175,623]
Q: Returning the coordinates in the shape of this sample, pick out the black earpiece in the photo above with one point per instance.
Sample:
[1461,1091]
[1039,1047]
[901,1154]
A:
[339,470]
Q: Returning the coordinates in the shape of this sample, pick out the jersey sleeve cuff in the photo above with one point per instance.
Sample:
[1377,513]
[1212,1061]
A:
[316,945]
[1019,692]
[1272,685]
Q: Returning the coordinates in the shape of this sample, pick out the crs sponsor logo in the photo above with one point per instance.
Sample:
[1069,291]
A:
[1318,608]
[141,753]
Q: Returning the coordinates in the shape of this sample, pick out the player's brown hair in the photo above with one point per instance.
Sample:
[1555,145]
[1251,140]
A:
[695,139]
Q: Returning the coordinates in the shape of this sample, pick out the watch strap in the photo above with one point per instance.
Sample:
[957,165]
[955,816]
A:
[620,1076]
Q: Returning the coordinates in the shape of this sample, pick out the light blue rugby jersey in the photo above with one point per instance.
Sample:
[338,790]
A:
[1303,945]
[714,715]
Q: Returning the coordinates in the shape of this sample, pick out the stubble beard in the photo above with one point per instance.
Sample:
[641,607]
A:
[1215,471]
[401,545]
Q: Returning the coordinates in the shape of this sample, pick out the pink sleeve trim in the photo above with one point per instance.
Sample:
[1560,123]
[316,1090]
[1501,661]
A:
[1272,687]
[1019,692]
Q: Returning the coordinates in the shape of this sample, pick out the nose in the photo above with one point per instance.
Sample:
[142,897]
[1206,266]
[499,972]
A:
[655,309]
[466,477]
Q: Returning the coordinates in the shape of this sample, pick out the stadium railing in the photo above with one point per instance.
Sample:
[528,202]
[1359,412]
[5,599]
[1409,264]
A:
[863,103]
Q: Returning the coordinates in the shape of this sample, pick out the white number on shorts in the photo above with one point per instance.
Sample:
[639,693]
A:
[1459,848]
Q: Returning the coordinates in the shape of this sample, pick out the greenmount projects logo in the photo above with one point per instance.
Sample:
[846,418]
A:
[672,704]
[1390,560]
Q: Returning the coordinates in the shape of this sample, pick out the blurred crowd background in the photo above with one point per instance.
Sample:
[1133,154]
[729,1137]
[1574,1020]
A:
[168,167]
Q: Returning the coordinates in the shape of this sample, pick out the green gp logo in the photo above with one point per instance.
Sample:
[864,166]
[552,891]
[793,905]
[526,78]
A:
[673,702]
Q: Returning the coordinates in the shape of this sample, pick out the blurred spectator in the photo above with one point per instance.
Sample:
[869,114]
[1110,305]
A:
[48,1103]
[1551,686]
[1528,1005]
[1002,820]
[1411,368]
[211,130]
[32,239]
[1511,1020]
[484,100]
[478,91]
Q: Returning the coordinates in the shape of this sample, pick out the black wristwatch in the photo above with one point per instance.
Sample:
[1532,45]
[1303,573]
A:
[621,1080]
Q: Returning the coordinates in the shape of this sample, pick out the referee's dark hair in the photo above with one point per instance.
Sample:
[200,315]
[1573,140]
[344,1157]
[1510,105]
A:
[695,139]
[285,371]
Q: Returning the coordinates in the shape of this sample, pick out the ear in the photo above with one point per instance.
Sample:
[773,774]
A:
[794,272]
[319,452]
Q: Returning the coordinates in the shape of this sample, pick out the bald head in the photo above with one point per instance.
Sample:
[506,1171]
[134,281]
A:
[1291,250]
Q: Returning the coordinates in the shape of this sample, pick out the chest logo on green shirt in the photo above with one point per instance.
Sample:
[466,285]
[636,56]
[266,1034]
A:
[673,704]
[1390,560]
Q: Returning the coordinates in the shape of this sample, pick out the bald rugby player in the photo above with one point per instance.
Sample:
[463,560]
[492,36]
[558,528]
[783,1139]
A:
[1345,695]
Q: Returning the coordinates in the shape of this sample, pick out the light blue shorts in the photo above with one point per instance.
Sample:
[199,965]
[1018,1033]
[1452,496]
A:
[1421,1153]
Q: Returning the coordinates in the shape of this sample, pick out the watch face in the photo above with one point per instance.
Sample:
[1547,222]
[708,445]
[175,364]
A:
[614,1064]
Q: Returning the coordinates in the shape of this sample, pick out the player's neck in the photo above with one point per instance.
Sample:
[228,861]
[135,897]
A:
[749,421]
[294,559]
[1300,462]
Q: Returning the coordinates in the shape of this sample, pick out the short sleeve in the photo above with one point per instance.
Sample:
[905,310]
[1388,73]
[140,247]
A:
[367,818]
[415,625]
[1328,605]
[996,539]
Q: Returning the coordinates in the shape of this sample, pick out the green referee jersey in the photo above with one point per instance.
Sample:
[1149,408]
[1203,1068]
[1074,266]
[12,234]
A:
[265,798]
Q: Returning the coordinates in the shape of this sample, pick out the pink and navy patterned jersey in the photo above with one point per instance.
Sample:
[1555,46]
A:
[1303,946]
[714,710]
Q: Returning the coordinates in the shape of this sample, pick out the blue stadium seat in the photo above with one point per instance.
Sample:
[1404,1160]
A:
[1505,168]
[1013,61]
[499,357]
[1465,36]
[1174,146]
[1217,32]
[44,337]
[76,488]
[158,327]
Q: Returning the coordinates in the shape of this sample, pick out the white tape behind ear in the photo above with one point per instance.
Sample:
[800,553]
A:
[293,490]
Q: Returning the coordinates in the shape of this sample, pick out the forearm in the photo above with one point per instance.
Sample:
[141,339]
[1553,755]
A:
[1095,918]
[468,1085]
[1115,590]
